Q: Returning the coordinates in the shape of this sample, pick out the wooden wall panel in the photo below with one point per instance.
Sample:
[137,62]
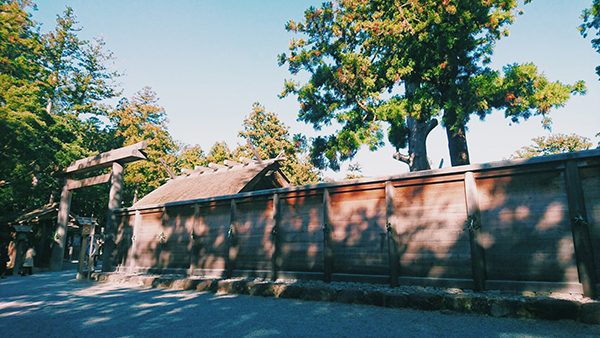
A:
[359,232]
[526,228]
[177,227]
[590,182]
[210,233]
[253,231]
[124,239]
[430,220]
[301,232]
[146,251]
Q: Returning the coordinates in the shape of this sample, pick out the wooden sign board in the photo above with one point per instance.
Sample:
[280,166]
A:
[86,229]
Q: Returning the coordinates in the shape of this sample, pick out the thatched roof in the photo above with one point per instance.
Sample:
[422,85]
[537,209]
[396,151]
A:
[219,180]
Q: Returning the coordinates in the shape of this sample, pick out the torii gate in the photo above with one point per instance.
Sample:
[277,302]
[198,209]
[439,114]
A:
[115,158]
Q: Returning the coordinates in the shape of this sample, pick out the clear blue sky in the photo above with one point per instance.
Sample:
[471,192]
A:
[209,61]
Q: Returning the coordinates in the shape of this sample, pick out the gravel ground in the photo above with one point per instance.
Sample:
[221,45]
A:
[57,305]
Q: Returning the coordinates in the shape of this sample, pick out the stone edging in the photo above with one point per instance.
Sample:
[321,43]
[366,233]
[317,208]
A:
[492,303]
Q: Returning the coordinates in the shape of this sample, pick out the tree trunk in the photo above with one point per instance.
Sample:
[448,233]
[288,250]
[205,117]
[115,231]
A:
[417,148]
[457,139]
[417,137]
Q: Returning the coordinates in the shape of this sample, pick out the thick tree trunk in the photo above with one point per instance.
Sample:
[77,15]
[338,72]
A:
[457,140]
[417,148]
[417,138]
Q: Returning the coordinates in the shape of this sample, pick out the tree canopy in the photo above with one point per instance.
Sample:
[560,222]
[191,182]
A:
[141,118]
[271,137]
[406,65]
[553,144]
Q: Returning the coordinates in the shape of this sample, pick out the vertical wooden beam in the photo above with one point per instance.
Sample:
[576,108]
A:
[137,221]
[60,236]
[276,237]
[193,253]
[327,241]
[392,233]
[584,254]
[114,202]
[475,232]
[232,249]
[82,254]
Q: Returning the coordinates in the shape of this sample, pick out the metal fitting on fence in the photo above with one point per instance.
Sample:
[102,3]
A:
[472,223]
[579,220]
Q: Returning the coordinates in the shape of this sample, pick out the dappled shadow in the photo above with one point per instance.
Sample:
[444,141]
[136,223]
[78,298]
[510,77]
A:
[61,307]
[526,228]
[525,232]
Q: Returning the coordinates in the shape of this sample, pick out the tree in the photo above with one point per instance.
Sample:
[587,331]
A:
[434,53]
[591,21]
[29,137]
[271,137]
[189,157]
[37,138]
[20,45]
[218,153]
[354,171]
[553,144]
[80,76]
[142,119]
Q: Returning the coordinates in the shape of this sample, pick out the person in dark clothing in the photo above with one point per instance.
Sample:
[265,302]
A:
[4,258]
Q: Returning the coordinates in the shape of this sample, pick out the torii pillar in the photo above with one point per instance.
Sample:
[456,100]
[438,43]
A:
[115,159]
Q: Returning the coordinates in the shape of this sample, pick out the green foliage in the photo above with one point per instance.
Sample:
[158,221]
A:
[79,70]
[591,22]
[354,171]
[553,144]
[189,157]
[218,153]
[142,119]
[20,47]
[434,52]
[271,137]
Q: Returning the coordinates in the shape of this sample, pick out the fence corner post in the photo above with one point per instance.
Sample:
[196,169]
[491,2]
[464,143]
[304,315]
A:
[584,254]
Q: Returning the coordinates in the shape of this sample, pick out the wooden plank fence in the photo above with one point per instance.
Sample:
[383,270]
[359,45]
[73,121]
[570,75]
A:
[514,225]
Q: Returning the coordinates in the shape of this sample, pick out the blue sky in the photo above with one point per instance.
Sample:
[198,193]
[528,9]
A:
[209,61]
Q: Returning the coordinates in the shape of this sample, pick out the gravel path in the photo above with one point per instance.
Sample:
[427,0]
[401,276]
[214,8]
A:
[57,305]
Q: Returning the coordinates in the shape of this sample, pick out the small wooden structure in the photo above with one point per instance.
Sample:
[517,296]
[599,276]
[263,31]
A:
[38,227]
[529,224]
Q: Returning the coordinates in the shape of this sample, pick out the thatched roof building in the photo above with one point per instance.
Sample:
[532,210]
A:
[219,180]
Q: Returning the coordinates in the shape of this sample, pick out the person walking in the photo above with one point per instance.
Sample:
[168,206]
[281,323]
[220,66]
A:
[28,262]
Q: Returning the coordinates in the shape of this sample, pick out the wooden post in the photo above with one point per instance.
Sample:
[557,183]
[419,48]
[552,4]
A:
[82,253]
[137,220]
[474,226]
[114,202]
[327,241]
[586,266]
[193,254]
[276,238]
[60,236]
[392,233]
[232,249]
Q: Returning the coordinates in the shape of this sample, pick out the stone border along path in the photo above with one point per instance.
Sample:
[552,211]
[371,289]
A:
[530,305]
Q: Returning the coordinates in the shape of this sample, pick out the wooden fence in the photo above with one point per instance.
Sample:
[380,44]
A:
[515,225]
